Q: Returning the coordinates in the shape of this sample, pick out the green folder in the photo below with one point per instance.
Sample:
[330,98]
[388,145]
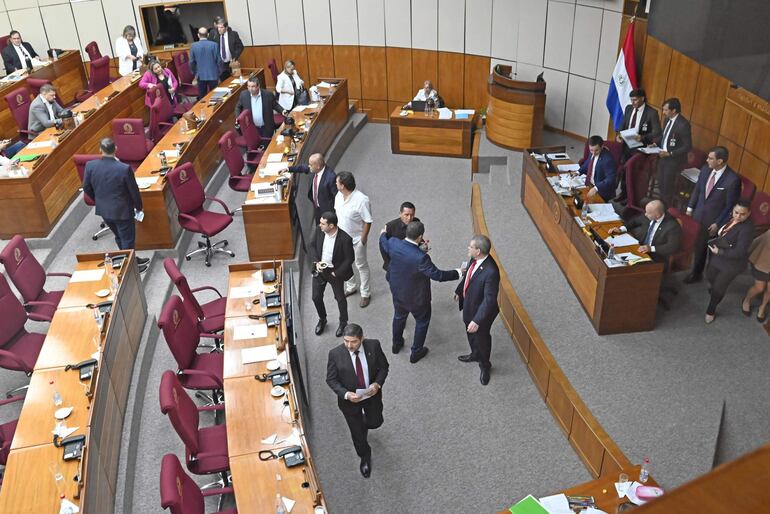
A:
[528,505]
[27,158]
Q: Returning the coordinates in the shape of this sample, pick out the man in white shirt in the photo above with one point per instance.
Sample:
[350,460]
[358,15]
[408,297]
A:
[16,54]
[355,218]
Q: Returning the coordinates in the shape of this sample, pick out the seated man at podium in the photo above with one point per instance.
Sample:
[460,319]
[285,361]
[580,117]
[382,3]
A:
[426,93]
[599,169]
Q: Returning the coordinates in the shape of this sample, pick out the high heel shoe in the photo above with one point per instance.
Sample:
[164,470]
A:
[745,312]
[762,318]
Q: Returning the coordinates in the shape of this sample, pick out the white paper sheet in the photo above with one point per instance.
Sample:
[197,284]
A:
[272,169]
[87,275]
[275,157]
[288,503]
[601,212]
[651,150]
[622,240]
[39,144]
[255,331]
[558,156]
[146,181]
[221,89]
[258,354]
[538,157]
[631,141]
[363,393]
[568,167]
[243,292]
[444,113]
[556,504]
[691,174]
[469,112]
[323,84]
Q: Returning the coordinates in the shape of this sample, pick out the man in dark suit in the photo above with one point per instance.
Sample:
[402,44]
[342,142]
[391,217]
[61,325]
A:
[229,45]
[640,116]
[205,62]
[397,228]
[600,169]
[675,143]
[711,202]
[112,185]
[411,271]
[332,254]
[323,184]
[18,54]
[476,295]
[261,103]
[356,371]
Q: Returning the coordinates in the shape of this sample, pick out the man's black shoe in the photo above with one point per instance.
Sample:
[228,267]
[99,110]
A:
[142,260]
[366,466]
[467,358]
[397,347]
[484,376]
[340,328]
[692,278]
[319,328]
[142,268]
[419,354]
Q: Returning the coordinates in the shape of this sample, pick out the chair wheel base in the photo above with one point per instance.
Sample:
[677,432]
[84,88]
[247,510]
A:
[95,238]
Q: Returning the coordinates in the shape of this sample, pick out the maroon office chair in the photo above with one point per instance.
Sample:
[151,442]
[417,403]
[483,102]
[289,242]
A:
[180,494]
[197,371]
[4,42]
[29,277]
[251,139]
[638,170]
[6,431]
[273,67]
[189,196]
[748,189]
[682,259]
[18,348]
[161,114]
[18,102]
[98,78]
[234,162]
[131,145]
[80,161]
[210,315]
[760,212]
[92,49]
[615,148]
[35,85]
[184,74]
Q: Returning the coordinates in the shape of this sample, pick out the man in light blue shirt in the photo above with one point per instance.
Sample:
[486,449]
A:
[262,103]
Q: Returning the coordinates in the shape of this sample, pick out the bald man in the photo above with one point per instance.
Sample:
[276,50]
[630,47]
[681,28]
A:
[205,62]
[323,184]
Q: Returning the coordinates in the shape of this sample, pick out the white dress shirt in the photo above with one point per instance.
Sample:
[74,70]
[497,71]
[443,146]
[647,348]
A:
[23,54]
[477,266]
[327,251]
[623,230]
[228,57]
[353,213]
[667,131]
[317,183]
[364,363]
[638,119]
[421,97]
[49,106]
[256,110]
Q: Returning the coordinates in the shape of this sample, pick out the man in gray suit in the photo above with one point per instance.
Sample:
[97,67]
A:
[44,111]
[205,62]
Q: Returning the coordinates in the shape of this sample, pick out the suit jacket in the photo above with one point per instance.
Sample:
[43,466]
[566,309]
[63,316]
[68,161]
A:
[648,124]
[733,248]
[667,238]
[11,58]
[204,60]
[327,188]
[39,120]
[394,228]
[341,375]
[343,254]
[112,185]
[479,303]
[679,139]
[234,43]
[269,104]
[717,208]
[604,173]
[150,78]
[411,271]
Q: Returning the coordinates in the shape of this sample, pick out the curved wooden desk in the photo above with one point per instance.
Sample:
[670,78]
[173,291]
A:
[90,483]
[516,110]
[66,74]
[31,204]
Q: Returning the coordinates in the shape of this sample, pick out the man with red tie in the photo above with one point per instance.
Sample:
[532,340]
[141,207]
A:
[323,184]
[599,168]
[477,296]
[356,371]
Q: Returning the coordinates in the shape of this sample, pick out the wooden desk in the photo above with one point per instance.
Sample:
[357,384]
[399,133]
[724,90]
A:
[617,300]
[31,205]
[67,74]
[268,226]
[253,414]
[160,228]
[420,134]
[28,483]
[516,110]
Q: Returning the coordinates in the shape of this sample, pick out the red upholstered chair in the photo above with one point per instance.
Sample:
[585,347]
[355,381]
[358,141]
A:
[638,170]
[197,371]
[184,74]
[747,188]
[29,277]
[92,49]
[18,102]
[251,139]
[190,197]
[4,42]
[131,145]
[273,67]
[161,113]
[180,494]
[696,158]
[6,432]
[80,165]
[35,85]
[682,259]
[234,162]
[760,211]
[98,78]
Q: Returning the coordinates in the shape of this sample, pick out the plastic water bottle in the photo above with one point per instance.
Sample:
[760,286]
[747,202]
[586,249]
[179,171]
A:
[98,318]
[644,472]
[584,212]
[263,301]
[107,263]
[280,508]
[611,253]
[57,399]
[54,56]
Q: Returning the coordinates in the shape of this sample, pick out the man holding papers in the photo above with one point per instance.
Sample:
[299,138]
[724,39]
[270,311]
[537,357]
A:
[674,144]
[641,126]
[599,169]
[356,371]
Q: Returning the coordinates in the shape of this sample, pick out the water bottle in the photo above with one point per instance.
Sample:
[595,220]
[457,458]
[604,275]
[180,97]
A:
[57,399]
[107,263]
[54,56]
[97,318]
[202,117]
[293,146]
[584,212]
[611,253]
[114,281]
[263,301]
[644,472]
[280,508]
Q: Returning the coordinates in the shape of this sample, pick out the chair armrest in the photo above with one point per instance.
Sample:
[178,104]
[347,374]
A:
[202,288]
[211,335]
[57,274]
[208,455]
[220,202]
[27,132]
[208,408]
[242,179]
[199,373]
[192,219]
[165,123]
[35,303]
[217,492]
[13,399]
[15,358]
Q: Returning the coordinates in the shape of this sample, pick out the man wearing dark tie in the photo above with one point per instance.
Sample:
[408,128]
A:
[411,271]
[476,295]
[397,228]
[675,144]
[323,184]
[711,202]
[356,371]
[645,121]
[229,43]
[262,103]
[600,169]
[18,54]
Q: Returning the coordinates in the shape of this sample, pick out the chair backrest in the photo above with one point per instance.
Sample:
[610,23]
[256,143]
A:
[182,64]
[99,76]
[690,229]
[80,161]
[273,67]
[4,42]
[23,269]
[186,188]
[180,331]
[616,150]
[231,153]
[92,49]
[747,188]
[180,409]
[760,209]
[18,102]
[638,168]
[14,316]
[35,85]
[696,158]
[249,130]
[180,281]
[161,111]
[178,492]
[128,134]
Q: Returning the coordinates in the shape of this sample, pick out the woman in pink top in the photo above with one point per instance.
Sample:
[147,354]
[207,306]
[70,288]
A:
[158,76]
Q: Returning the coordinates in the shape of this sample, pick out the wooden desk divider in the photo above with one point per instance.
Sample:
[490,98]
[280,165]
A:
[421,134]
[516,110]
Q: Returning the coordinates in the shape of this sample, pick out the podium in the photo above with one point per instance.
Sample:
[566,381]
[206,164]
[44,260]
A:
[516,110]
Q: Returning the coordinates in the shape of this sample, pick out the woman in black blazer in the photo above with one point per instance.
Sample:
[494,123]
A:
[729,254]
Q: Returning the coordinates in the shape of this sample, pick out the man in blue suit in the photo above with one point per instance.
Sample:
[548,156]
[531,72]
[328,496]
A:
[711,203]
[112,185]
[411,271]
[600,169]
[205,62]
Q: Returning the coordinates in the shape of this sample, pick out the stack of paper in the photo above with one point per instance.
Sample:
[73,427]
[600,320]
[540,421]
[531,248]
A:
[601,212]
[272,169]
[622,240]
[444,114]
[558,156]
[568,167]
[90,275]
[650,150]
[253,331]
[691,174]
[630,139]
[145,182]
[538,157]
[39,144]
[258,354]
[323,84]
[556,504]
[275,157]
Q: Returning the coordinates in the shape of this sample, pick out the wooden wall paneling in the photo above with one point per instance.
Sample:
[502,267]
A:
[399,66]
[374,73]
[703,138]
[710,95]
[735,124]
[321,62]
[451,78]
[347,64]
[682,81]
[758,138]
[257,57]
[657,60]
[298,54]
[736,150]
[424,67]
[586,443]
[538,368]
[559,402]
[766,187]
[753,168]
[378,110]
[475,79]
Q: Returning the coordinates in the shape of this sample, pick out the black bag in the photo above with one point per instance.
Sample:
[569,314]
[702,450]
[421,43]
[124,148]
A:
[303,97]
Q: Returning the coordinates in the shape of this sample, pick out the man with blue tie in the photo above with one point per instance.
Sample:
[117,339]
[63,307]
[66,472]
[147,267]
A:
[411,271]
[205,62]
[262,103]
[600,169]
